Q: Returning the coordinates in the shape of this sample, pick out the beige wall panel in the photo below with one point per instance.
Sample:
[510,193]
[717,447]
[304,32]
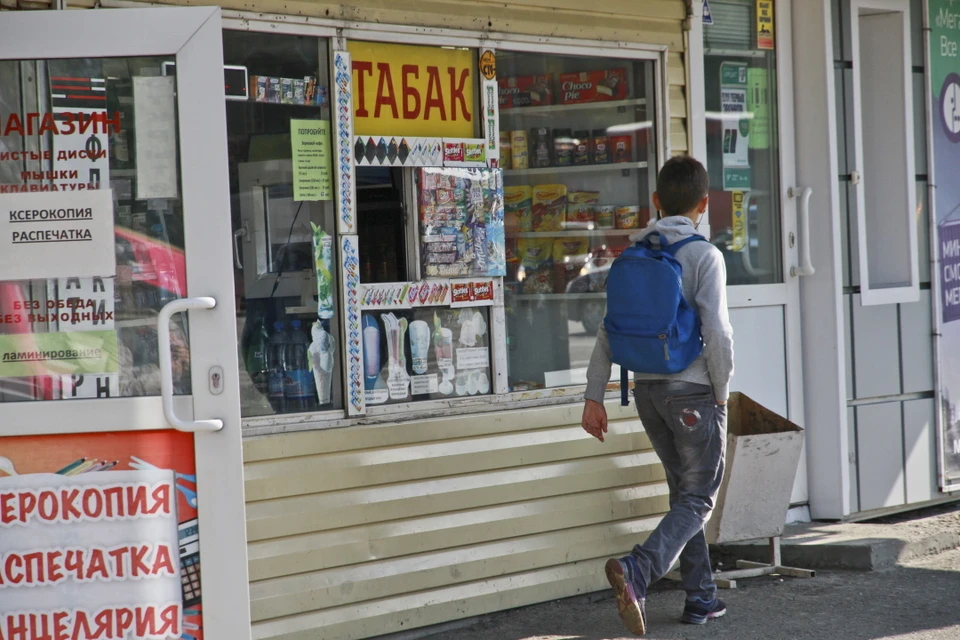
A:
[328,549]
[423,430]
[304,514]
[676,72]
[669,9]
[405,612]
[632,26]
[678,138]
[343,470]
[382,579]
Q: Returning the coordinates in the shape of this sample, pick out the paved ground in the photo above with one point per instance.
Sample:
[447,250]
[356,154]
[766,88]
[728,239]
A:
[918,600]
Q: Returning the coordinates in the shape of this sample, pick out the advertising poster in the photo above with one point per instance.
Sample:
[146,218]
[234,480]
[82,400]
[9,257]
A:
[765,26]
[945,124]
[736,126]
[100,537]
[310,140]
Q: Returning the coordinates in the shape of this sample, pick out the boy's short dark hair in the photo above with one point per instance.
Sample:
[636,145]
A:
[681,184]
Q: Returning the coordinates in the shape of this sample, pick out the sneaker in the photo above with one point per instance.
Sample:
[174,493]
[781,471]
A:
[698,612]
[630,593]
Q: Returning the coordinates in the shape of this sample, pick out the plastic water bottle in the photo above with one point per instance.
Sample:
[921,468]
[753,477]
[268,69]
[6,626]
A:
[275,376]
[258,366]
[299,390]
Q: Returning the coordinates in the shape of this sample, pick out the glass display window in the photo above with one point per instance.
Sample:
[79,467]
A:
[578,149]
[286,264]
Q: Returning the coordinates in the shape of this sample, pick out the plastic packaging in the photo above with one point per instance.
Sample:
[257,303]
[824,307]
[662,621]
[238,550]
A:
[322,358]
[258,366]
[323,263]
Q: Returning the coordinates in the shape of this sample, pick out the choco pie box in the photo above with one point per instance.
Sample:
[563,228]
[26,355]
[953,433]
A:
[593,86]
[525,91]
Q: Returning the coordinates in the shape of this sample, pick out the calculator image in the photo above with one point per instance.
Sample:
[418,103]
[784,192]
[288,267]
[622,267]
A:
[190,562]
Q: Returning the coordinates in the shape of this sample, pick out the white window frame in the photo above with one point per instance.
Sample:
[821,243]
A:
[909,292]
[339,32]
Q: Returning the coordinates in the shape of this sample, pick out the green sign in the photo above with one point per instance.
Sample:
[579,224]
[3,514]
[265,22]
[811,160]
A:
[51,354]
[736,126]
[759,104]
[310,146]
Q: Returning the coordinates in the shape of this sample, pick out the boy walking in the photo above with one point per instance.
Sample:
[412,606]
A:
[684,414]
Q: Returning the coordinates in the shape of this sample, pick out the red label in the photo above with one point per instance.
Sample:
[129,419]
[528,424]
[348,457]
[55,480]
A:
[593,86]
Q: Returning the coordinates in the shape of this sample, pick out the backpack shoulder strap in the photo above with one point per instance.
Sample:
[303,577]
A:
[673,248]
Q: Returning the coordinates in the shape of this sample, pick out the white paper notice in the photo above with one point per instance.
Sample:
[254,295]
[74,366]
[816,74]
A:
[156,137]
[57,235]
[474,358]
[95,548]
[423,385]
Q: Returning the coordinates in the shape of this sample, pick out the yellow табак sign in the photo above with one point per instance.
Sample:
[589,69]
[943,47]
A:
[413,91]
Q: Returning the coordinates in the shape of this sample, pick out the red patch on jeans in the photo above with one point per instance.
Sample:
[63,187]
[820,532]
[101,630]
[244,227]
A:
[689,417]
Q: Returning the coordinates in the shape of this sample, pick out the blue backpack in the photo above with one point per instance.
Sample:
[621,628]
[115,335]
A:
[650,326]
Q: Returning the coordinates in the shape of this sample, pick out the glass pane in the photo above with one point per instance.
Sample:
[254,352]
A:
[93,124]
[284,222]
[579,158]
[743,145]
[426,353]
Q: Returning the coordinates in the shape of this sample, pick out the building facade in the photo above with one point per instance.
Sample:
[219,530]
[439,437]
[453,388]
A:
[406,251]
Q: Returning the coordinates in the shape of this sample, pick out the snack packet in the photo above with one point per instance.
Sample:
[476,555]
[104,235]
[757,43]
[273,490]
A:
[549,207]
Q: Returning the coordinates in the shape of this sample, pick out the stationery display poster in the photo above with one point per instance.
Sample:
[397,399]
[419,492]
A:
[100,537]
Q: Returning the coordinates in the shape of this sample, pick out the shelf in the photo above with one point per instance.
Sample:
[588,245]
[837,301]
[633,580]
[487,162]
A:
[584,168]
[563,108]
[576,233]
[558,297]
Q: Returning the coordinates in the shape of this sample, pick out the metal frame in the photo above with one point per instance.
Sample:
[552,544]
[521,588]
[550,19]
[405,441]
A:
[194,36]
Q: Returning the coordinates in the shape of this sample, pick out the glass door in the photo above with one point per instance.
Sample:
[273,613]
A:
[121,442]
[754,197]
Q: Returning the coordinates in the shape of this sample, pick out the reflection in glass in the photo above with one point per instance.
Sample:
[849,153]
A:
[116,128]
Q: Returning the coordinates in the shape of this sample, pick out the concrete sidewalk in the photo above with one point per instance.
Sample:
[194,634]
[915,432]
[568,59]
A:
[906,589]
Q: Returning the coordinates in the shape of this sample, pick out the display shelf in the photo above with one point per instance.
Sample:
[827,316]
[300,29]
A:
[563,108]
[557,297]
[574,233]
[584,168]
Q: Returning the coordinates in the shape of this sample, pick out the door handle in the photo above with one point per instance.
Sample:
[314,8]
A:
[241,232]
[166,364]
[806,264]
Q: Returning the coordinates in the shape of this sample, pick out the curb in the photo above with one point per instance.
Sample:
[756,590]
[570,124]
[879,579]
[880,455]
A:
[868,554]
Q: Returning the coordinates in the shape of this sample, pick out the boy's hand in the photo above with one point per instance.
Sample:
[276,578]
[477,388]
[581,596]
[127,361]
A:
[594,419]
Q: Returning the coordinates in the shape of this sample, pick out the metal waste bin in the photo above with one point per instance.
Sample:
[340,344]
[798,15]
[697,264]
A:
[763,451]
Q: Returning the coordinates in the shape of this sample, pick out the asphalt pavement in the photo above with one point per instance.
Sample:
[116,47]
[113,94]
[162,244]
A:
[916,600]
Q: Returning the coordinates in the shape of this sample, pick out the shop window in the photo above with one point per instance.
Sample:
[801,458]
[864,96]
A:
[578,148]
[74,129]
[284,223]
[743,151]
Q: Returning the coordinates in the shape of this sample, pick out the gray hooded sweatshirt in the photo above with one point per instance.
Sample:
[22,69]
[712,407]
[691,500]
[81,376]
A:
[704,285]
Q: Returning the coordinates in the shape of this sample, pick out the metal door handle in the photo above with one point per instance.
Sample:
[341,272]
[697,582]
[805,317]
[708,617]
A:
[806,264]
[241,232]
[166,364]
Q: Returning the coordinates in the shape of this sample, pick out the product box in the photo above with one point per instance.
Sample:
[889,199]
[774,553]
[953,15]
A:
[593,86]
[525,91]
[286,91]
[273,89]
[581,209]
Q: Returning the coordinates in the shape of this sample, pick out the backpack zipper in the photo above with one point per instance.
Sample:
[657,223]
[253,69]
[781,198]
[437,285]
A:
[666,351]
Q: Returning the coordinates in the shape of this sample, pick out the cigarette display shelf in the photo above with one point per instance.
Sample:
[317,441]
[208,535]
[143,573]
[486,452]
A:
[583,168]
[582,106]
[573,233]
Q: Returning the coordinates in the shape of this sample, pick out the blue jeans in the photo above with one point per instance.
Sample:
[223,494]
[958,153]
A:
[688,430]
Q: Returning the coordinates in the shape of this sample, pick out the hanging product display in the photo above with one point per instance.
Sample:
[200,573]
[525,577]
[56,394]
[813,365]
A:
[461,220]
